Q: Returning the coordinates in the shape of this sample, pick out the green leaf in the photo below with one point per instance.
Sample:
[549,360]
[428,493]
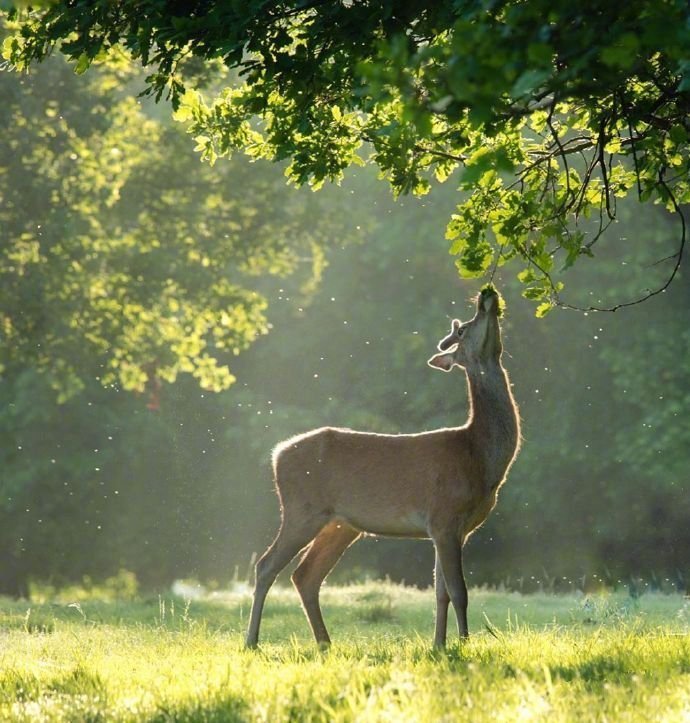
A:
[622,54]
[9,45]
[543,309]
[83,64]
[540,53]
[678,134]
[527,276]
[529,81]
[539,290]
[475,260]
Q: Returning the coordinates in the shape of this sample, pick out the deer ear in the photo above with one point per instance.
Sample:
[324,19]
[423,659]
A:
[444,362]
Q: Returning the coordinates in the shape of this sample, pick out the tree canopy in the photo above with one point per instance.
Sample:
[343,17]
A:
[551,110]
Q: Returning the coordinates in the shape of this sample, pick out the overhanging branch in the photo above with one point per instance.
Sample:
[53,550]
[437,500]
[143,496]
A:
[653,292]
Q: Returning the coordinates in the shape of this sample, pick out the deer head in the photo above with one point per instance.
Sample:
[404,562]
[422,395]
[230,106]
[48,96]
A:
[473,342]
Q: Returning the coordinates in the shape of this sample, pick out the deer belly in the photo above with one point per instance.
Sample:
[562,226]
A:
[403,524]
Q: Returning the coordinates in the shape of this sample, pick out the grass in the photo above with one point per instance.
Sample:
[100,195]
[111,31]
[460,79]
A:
[535,658]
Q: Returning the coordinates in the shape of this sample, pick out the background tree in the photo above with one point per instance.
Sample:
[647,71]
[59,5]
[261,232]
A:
[127,259]
[124,263]
[554,110]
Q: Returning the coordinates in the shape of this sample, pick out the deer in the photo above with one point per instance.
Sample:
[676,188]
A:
[335,484]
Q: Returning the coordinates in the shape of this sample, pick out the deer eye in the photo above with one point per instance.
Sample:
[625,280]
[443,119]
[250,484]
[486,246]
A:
[461,331]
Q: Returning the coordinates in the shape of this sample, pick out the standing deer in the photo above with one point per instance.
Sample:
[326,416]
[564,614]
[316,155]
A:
[337,484]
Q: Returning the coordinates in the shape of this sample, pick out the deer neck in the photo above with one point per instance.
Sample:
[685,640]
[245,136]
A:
[494,423]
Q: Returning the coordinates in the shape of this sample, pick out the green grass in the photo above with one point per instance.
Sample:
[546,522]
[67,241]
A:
[539,658]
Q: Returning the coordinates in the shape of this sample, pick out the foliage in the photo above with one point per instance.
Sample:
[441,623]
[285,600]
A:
[553,110]
[124,264]
[540,657]
[124,258]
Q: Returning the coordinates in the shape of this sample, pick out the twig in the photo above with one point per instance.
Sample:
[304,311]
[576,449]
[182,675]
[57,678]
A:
[557,140]
[495,265]
[678,256]
[601,160]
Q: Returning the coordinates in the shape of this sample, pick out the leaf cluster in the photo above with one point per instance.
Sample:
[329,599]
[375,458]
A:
[551,111]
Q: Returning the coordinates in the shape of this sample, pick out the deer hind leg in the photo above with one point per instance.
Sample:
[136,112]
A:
[449,552]
[318,560]
[442,602]
[294,534]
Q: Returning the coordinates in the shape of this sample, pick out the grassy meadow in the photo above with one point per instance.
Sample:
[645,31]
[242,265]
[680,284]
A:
[602,657]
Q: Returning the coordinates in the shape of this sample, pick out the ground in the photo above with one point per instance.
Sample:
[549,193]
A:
[599,657]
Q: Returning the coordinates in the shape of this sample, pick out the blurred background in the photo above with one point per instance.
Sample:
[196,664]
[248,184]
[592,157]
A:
[355,289]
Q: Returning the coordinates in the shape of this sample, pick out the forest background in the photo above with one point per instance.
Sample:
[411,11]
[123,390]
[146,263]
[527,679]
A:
[325,307]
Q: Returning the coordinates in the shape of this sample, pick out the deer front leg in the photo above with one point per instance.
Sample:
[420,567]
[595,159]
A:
[442,601]
[449,553]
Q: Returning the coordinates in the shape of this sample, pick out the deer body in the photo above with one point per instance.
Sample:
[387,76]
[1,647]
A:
[335,484]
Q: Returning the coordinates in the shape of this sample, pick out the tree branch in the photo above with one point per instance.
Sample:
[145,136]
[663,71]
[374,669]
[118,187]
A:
[678,256]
